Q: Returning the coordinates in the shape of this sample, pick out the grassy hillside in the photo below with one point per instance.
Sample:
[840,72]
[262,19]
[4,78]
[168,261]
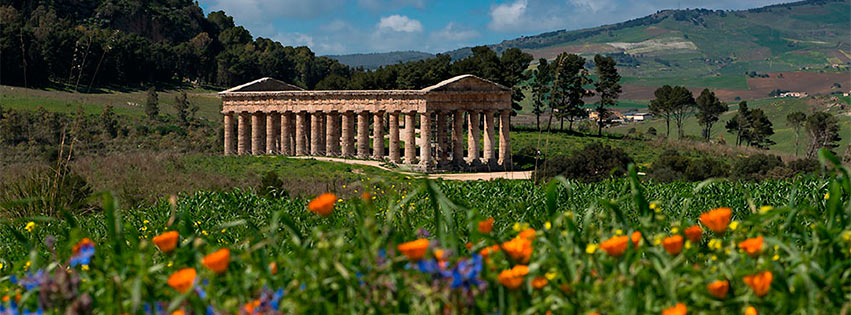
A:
[776,109]
[130,103]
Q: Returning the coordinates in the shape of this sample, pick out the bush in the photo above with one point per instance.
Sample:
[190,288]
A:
[595,162]
[804,166]
[525,158]
[651,131]
[705,168]
[755,167]
[271,186]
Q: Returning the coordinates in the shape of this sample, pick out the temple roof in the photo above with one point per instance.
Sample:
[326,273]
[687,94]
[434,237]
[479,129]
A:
[461,83]
[263,85]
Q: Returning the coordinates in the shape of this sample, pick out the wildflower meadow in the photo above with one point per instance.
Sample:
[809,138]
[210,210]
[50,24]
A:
[616,247]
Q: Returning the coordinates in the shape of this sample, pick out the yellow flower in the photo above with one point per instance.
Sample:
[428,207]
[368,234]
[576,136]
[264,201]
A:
[734,225]
[84,267]
[1,266]
[826,196]
[548,225]
[675,230]
[550,275]
[27,265]
[170,263]
[775,257]
[715,244]
[618,232]
[846,236]
[688,244]
[653,206]
[765,209]
[146,222]
[30,226]
[591,248]
[204,232]
[144,228]
[516,227]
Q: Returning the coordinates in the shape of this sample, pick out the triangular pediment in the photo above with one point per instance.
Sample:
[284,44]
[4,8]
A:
[466,82]
[264,85]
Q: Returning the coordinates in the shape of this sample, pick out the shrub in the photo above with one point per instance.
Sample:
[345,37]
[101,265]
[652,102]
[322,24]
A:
[651,131]
[755,167]
[594,162]
[704,168]
[271,185]
[804,166]
[670,166]
[525,158]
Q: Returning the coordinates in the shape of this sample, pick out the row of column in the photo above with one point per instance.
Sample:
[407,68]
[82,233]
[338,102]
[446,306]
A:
[333,134]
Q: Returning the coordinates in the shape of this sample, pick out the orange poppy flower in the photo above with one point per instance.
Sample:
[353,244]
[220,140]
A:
[593,313]
[273,267]
[323,205]
[415,250]
[752,246]
[486,226]
[760,283]
[513,278]
[167,241]
[83,242]
[636,238]
[182,280]
[615,246]
[527,234]
[679,309]
[178,312]
[750,310]
[365,196]
[217,261]
[673,245]
[519,249]
[719,288]
[693,233]
[717,219]
[250,307]
[539,282]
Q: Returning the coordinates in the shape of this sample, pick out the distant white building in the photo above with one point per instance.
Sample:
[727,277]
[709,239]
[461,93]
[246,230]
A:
[637,116]
[793,94]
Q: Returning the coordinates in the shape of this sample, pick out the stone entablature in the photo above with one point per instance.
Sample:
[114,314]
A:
[285,119]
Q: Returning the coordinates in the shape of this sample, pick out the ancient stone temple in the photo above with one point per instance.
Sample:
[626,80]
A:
[453,125]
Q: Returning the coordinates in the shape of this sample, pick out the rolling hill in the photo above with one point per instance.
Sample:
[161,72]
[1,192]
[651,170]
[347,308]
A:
[375,60]
[712,48]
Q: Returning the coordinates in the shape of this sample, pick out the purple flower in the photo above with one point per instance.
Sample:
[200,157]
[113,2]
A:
[32,281]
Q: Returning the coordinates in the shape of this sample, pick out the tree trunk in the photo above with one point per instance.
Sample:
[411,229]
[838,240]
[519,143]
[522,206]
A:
[797,131]
[550,121]
[667,127]
[561,120]
[538,120]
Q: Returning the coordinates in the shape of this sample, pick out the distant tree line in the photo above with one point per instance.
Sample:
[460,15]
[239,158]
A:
[137,44]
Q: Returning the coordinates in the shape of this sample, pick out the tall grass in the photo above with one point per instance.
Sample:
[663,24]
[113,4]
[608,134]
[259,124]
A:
[349,262]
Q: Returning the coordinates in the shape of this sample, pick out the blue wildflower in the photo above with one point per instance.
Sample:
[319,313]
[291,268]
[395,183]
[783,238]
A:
[32,281]
[82,252]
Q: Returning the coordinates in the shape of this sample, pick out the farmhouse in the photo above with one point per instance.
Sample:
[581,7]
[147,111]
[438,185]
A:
[274,117]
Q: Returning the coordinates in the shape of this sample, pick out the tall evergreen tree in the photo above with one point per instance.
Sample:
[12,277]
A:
[797,121]
[608,87]
[569,78]
[541,86]
[823,129]
[709,108]
[760,129]
[152,103]
[740,124]
[660,106]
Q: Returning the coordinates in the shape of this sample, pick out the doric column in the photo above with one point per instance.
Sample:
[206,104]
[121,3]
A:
[442,152]
[257,133]
[394,137]
[286,133]
[425,139]
[488,156]
[228,133]
[378,135]
[410,138]
[348,134]
[242,144]
[315,133]
[504,140]
[363,135]
[300,133]
[332,140]
[458,137]
[271,134]
[473,137]
[323,118]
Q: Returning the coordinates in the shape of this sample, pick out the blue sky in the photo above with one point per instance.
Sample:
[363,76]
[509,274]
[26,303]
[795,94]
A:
[363,26]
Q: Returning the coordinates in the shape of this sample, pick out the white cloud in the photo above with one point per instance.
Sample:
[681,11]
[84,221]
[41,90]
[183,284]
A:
[259,11]
[384,5]
[454,33]
[399,23]
[294,39]
[507,15]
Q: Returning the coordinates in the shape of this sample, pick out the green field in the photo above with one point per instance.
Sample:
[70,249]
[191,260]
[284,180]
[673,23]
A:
[775,109]
[328,264]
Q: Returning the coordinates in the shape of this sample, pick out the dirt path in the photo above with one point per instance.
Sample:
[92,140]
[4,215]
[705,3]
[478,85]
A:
[522,175]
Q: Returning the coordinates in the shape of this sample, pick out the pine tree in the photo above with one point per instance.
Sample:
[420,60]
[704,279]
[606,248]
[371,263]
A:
[152,104]
[608,87]
[709,108]
[796,120]
[541,90]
